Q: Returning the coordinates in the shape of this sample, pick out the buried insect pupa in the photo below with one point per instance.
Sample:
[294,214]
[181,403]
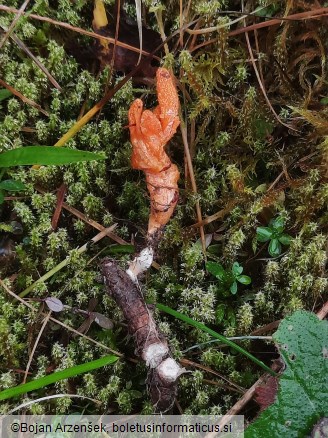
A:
[150,131]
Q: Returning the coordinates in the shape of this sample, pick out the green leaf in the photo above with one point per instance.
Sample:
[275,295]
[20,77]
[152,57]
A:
[278,224]
[302,397]
[45,155]
[263,234]
[4,94]
[215,335]
[285,239]
[244,279]
[237,269]
[274,248]
[2,197]
[217,270]
[12,186]
[55,377]
[234,288]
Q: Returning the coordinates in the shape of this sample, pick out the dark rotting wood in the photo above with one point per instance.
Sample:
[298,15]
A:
[151,345]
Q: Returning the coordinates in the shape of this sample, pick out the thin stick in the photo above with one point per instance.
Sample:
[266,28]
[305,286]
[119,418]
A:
[181,23]
[239,405]
[215,28]
[322,12]
[94,224]
[23,98]
[262,84]
[25,49]
[218,215]
[56,321]
[323,311]
[316,13]
[193,182]
[78,30]
[45,322]
[267,328]
[188,362]
[49,397]
[61,192]
[13,23]
[221,385]
[65,262]
[117,28]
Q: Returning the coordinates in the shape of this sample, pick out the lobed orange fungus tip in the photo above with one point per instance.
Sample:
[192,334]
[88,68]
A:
[150,131]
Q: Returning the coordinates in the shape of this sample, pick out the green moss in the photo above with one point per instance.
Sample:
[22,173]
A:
[241,153]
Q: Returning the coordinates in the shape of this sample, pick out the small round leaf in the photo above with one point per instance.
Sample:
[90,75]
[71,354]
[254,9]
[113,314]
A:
[278,224]
[217,270]
[237,269]
[233,288]
[285,239]
[244,279]
[274,248]
[263,234]
[54,304]
[102,320]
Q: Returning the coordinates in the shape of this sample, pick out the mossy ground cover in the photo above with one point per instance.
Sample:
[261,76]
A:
[254,108]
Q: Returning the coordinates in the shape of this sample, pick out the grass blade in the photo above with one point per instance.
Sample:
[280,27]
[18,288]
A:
[215,335]
[45,155]
[55,377]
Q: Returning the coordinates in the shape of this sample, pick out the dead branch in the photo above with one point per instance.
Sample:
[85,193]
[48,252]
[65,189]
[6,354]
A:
[151,345]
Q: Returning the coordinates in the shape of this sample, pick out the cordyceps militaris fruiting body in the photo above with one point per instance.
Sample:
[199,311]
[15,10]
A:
[150,132]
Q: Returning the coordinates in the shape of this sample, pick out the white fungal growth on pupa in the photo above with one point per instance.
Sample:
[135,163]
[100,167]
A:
[140,263]
[153,354]
[169,370]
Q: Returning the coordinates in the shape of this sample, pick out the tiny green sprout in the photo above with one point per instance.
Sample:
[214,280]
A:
[274,233]
[229,279]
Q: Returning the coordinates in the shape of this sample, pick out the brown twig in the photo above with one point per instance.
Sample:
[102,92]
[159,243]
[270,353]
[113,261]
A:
[67,327]
[193,182]
[323,312]
[23,98]
[78,30]
[266,328]
[317,13]
[60,199]
[25,49]
[117,28]
[94,224]
[218,215]
[190,363]
[262,87]
[13,23]
[45,322]
[221,385]
[237,407]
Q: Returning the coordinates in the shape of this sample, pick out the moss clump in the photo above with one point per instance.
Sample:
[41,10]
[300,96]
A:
[249,168]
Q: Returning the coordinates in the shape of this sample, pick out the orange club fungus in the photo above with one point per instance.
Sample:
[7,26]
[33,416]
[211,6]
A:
[150,131]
